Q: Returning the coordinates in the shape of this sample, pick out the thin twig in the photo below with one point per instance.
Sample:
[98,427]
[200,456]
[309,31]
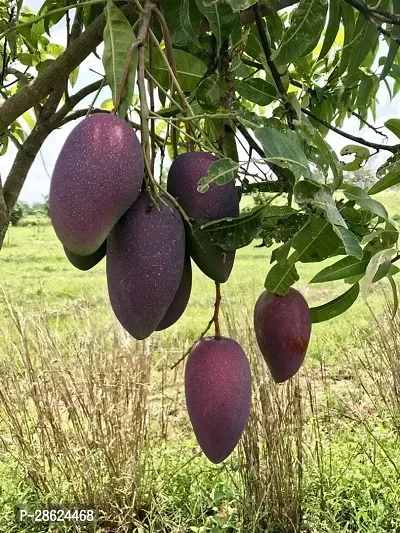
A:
[214,320]
[312,92]
[393,148]
[151,87]
[256,148]
[144,114]
[367,11]
[216,309]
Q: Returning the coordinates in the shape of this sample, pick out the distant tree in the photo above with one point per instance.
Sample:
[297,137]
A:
[20,210]
[364,177]
[46,208]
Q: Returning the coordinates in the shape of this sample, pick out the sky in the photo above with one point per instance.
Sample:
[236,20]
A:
[38,180]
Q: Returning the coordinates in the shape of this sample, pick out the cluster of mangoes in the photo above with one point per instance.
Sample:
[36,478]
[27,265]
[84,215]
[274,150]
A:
[100,207]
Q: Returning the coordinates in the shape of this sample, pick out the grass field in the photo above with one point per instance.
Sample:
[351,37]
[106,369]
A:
[36,275]
[63,355]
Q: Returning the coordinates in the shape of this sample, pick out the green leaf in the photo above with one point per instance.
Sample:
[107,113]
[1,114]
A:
[253,47]
[393,46]
[395,296]
[365,92]
[306,25]
[190,70]
[251,120]
[367,37]
[342,269]
[174,13]
[220,172]
[188,19]
[29,120]
[389,235]
[234,233]
[393,124]
[350,241]
[28,59]
[372,270]
[332,27]
[107,104]
[349,25]
[281,253]
[316,241]
[73,77]
[361,154]
[118,38]
[304,192]
[335,307]
[323,200]
[362,199]
[309,193]
[256,90]
[54,49]
[281,277]
[391,179]
[331,157]
[229,147]
[383,270]
[208,94]
[221,19]
[281,149]
[4,142]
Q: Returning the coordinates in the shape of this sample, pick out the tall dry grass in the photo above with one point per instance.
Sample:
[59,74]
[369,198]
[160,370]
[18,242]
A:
[74,412]
[271,449]
[82,410]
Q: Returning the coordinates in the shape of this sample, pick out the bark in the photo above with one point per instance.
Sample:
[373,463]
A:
[46,80]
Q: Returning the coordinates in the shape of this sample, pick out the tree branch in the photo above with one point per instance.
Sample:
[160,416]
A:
[393,148]
[75,99]
[371,13]
[46,80]
[213,320]
[264,39]
[377,16]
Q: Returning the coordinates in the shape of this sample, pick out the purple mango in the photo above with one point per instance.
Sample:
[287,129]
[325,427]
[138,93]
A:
[283,328]
[145,258]
[181,298]
[218,395]
[86,262]
[220,201]
[97,177]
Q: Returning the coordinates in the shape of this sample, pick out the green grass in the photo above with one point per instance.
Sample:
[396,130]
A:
[36,274]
